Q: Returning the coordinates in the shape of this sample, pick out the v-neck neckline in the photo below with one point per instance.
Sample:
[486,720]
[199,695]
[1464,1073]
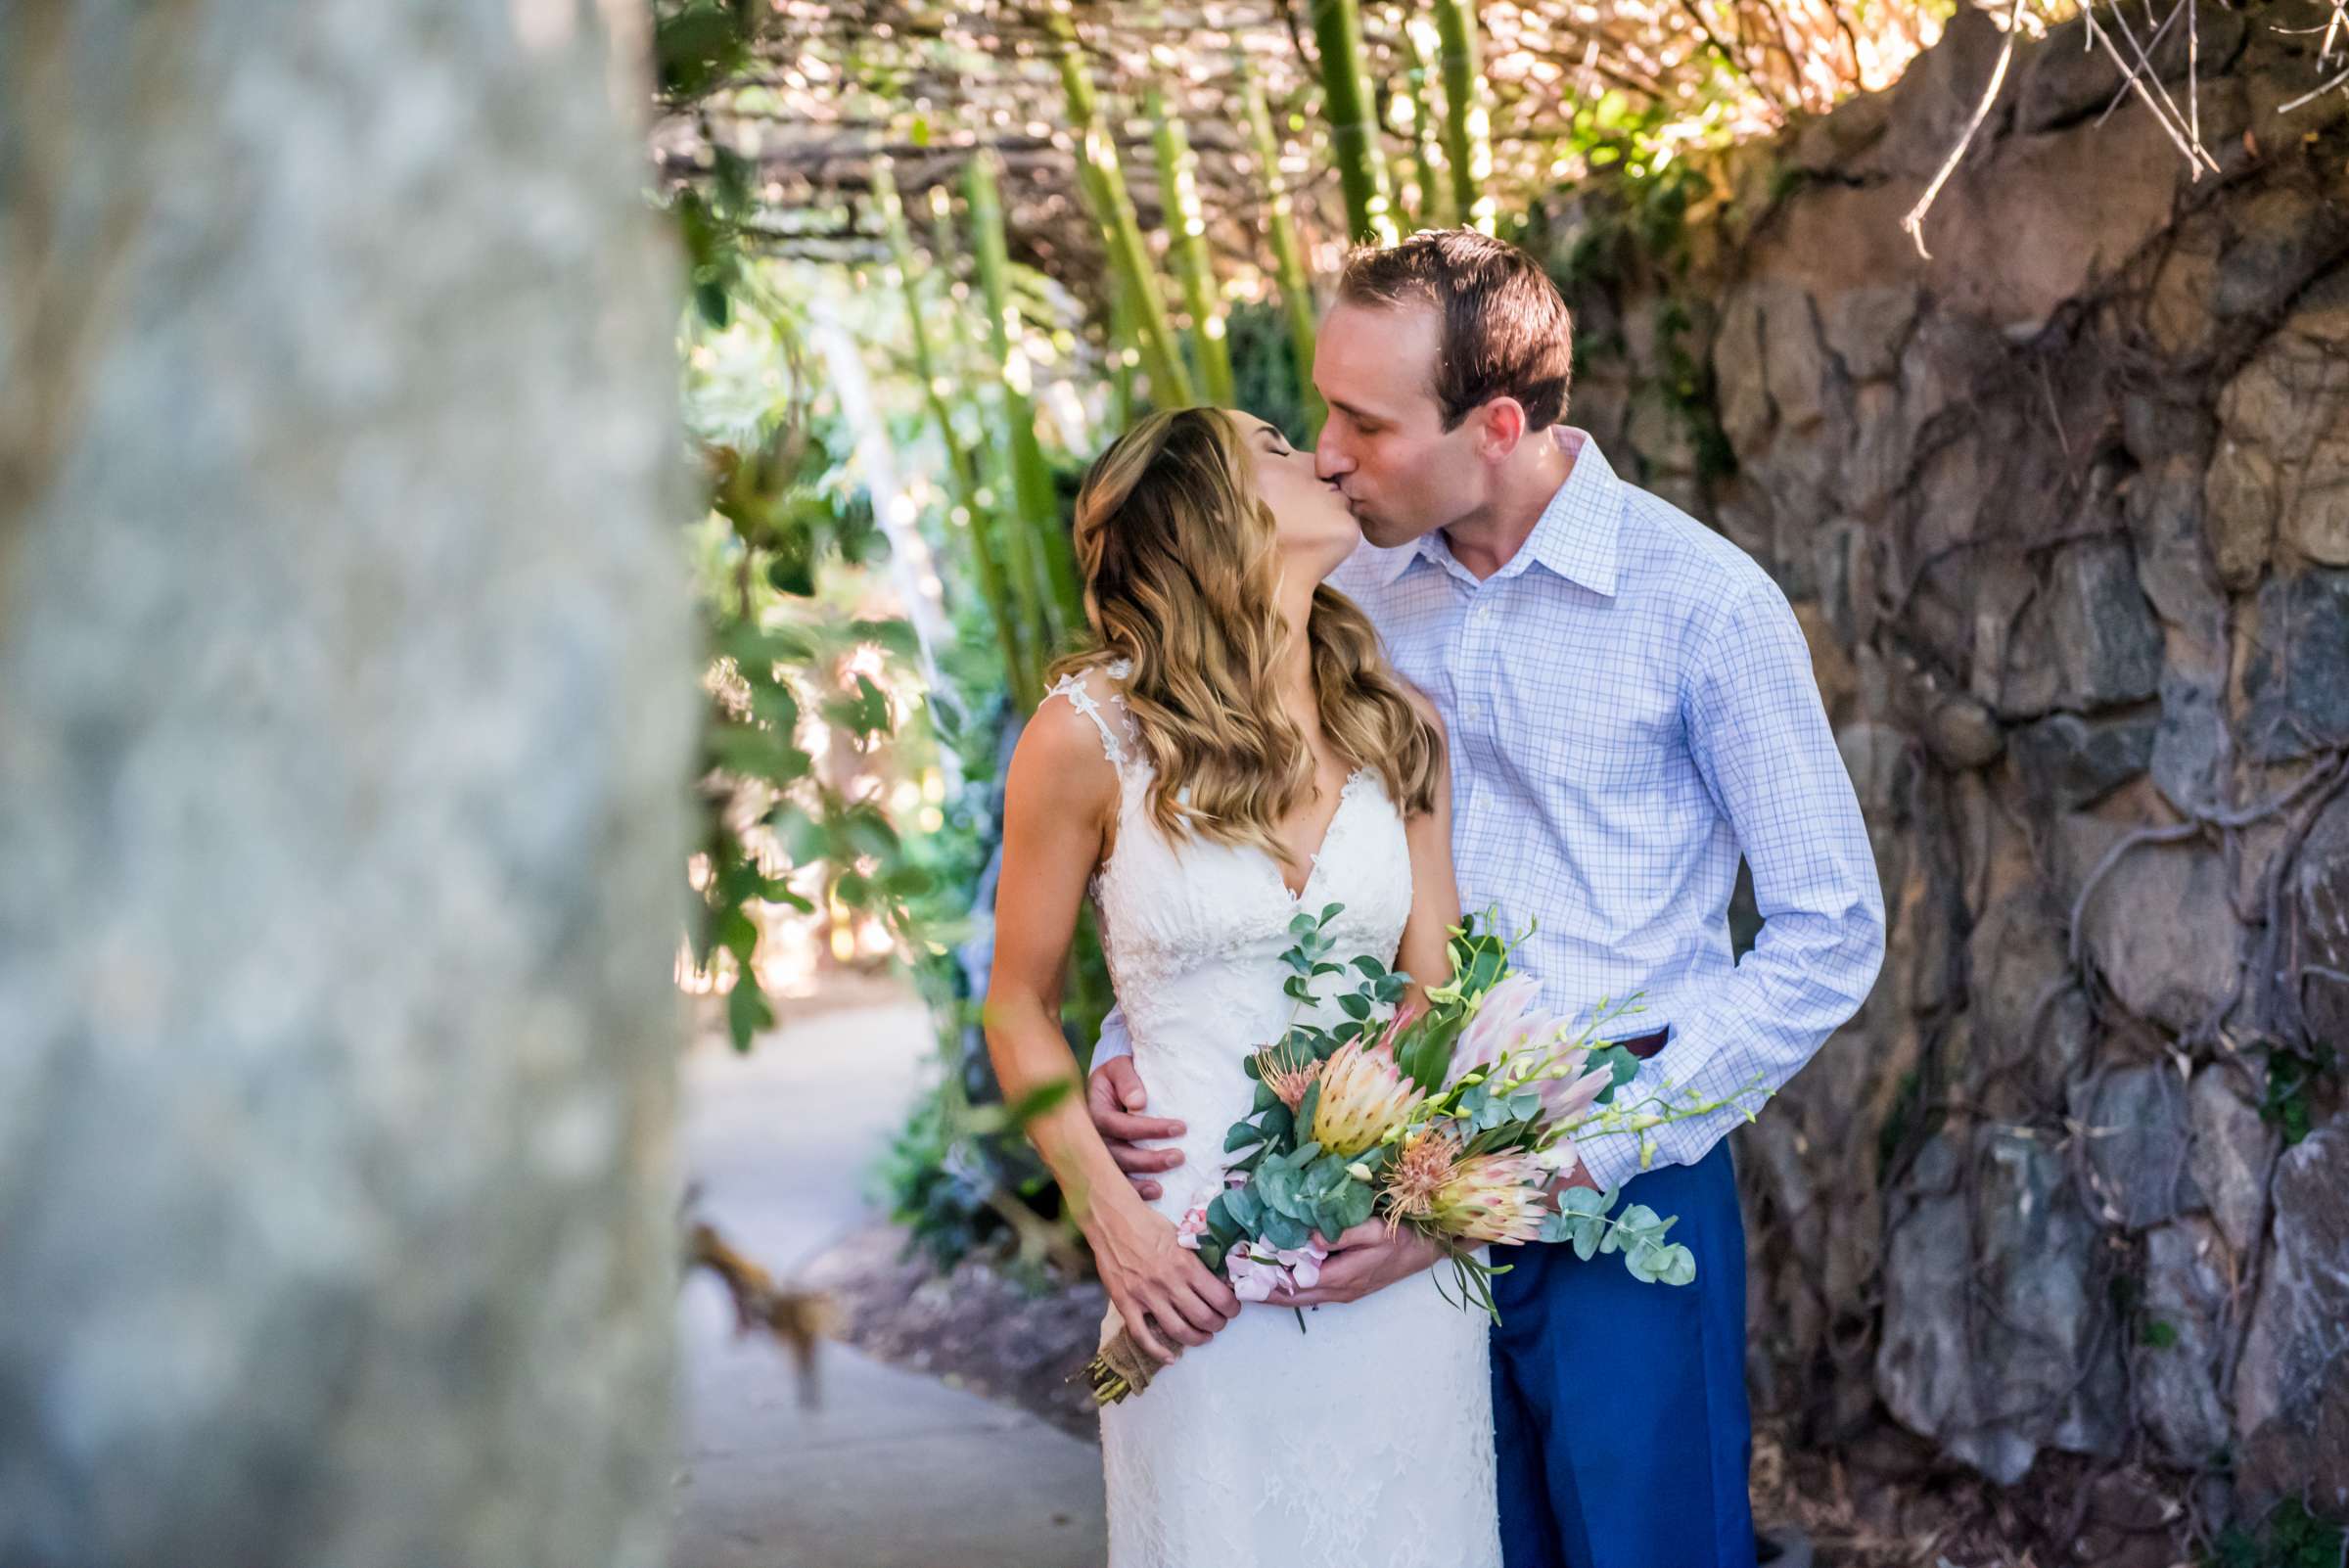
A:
[1313,863]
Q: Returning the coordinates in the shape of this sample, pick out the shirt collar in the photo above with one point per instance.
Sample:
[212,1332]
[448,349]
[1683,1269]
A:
[1575,536]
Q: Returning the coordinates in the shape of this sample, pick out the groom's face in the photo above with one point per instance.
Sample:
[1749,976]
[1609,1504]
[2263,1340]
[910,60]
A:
[1384,444]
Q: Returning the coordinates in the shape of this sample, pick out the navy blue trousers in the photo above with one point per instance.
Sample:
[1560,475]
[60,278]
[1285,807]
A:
[1619,1407]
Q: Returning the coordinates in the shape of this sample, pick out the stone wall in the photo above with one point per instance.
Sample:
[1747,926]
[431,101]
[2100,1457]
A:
[2064,510]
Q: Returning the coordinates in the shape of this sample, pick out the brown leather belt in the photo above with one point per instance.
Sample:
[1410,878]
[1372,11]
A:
[1644,1046]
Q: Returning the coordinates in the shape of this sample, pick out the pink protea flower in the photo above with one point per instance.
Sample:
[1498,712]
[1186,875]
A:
[1422,1168]
[1364,1095]
[1508,1019]
[1390,1033]
[1494,1198]
[1287,1072]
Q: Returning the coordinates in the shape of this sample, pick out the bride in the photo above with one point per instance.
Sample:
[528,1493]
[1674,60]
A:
[1235,752]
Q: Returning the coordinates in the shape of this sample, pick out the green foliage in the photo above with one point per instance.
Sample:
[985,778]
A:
[1684,386]
[784,665]
[2290,1537]
[699,44]
[1264,369]
[2290,1080]
[709,219]
[948,1189]
[1905,1121]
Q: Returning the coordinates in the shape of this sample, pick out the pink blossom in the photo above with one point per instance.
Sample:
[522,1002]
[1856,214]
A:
[1251,1280]
[1564,1100]
[1192,1226]
[1505,1020]
[1303,1265]
[1255,1268]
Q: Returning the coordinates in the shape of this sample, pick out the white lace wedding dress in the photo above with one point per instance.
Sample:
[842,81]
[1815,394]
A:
[1366,1441]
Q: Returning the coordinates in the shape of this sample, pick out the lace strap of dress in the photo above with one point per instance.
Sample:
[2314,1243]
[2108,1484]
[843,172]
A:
[1072,687]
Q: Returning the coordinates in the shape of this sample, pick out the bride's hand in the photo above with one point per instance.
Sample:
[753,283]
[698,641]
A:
[1153,1279]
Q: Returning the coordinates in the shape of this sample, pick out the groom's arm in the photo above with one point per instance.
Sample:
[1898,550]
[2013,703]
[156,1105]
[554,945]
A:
[1762,744]
[1115,1099]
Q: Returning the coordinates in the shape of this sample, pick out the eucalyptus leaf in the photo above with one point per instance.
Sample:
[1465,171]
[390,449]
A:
[1285,1232]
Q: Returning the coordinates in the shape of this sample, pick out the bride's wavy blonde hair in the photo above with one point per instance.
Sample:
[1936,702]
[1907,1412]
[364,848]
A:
[1181,579]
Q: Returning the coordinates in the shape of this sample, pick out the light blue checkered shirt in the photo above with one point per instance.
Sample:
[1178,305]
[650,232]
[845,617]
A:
[1631,705]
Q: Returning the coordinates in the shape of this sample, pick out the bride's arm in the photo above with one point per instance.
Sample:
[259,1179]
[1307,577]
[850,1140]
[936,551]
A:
[1058,805]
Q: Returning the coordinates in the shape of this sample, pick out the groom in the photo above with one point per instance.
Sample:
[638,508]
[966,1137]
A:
[1630,708]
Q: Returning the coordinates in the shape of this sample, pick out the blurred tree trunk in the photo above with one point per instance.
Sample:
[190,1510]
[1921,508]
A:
[349,707]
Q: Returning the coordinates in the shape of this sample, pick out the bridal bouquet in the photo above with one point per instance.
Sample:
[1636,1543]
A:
[1455,1118]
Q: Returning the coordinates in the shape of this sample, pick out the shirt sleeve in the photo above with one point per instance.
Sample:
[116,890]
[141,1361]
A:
[1762,744]
[1114,1042]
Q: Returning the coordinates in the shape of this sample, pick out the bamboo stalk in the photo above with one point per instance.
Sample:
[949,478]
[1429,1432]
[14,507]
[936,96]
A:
[1468,122]
[1104,182]
[1122,353]
[1288,257]
[1353,126]
[1436,209]
[1020,672]
[1186,248]
[942,234]
[1022,482]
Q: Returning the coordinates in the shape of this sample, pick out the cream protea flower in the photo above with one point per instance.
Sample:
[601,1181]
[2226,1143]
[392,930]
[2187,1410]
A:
[1364,1095]
[1492,1198]
[1287,1072]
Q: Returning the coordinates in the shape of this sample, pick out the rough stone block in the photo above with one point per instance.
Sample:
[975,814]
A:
[2233,1149]
[2034,1364]
[2074,761]
[2292,1384]
[2294,680]
[2174,1363]
[2135,1121]
[2163,933]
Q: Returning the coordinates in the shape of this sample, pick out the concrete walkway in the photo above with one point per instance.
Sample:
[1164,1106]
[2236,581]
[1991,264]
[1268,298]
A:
[894,1470]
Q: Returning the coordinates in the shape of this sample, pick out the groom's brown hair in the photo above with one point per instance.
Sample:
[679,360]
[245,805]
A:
[1506,332]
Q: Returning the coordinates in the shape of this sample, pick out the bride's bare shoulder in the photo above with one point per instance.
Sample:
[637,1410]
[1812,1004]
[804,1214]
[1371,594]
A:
[1073,742]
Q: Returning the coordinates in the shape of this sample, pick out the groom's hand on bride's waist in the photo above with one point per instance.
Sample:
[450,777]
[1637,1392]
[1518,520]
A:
[1362,1261]
[1115,1098]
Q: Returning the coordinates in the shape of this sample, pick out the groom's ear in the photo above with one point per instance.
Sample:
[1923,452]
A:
[1500,426]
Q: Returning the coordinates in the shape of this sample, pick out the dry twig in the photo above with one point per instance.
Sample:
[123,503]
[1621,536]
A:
[797,1318]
